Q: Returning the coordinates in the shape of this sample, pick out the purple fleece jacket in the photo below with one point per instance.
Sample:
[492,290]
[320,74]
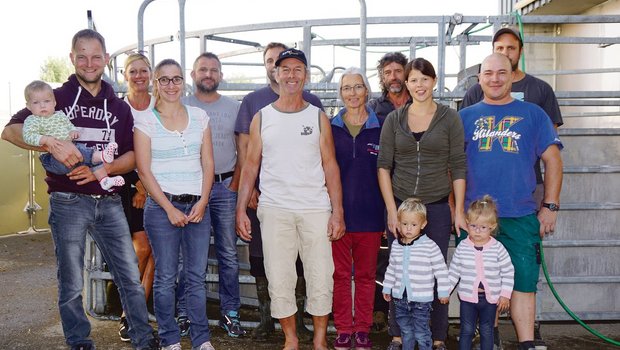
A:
[357,158]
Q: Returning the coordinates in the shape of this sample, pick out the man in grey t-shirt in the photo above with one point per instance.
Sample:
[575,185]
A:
[222,111]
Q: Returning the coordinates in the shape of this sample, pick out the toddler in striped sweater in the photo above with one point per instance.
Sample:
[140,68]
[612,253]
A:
[486,274]
[415,262]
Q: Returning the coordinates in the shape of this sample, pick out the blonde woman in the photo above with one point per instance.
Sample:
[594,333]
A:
[138,75]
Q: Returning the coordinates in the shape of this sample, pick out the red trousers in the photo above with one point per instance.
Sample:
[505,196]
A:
[355,254]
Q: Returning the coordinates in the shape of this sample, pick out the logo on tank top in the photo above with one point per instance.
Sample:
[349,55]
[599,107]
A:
[487,131]
[306,130]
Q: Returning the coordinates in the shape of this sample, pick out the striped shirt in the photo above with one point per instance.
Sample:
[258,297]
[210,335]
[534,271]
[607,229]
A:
[413,268]
[175,155]
[490,266]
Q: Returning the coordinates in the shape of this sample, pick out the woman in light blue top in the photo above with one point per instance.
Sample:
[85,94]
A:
[174,155]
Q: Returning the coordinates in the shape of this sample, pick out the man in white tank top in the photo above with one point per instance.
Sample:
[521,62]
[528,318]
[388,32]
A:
[300,206]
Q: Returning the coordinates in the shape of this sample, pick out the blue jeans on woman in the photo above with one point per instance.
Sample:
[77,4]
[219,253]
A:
[470,314]
[412,318]
[166,242]
[72,215]
[222,202]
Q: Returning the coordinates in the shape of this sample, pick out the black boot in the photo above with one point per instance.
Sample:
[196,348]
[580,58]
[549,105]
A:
[303,334]
[265,327]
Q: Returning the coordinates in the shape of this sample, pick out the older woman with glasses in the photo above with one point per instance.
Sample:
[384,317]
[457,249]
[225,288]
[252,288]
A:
[174,155]
[356,130]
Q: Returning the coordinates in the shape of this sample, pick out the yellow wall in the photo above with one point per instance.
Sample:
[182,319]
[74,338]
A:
[14,190]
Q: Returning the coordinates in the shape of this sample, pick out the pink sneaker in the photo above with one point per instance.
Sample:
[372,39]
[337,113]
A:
[107,155]
[109,182]
[362,342]
[343,342]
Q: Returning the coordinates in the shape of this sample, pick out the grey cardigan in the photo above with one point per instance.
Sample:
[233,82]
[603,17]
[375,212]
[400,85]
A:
[424,169]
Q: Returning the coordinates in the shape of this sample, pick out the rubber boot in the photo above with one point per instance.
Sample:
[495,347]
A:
[265,328]
[303,334]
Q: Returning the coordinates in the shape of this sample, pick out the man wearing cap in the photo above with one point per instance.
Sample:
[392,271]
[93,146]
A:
[300,203]
[251,104]
[503,139]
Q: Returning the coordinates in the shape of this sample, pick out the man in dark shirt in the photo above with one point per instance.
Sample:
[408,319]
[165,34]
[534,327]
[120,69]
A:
[391,70]
[79,205]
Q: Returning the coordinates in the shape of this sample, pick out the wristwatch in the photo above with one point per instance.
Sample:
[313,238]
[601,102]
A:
[551,206]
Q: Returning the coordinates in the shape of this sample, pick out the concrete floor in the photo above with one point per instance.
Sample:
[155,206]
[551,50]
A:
[29,316]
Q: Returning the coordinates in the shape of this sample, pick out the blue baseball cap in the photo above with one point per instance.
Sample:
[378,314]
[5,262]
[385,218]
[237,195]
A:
[292,53]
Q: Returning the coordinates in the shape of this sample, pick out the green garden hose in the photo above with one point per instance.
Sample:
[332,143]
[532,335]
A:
[572,314]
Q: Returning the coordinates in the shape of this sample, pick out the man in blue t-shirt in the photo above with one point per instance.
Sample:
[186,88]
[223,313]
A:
[503,139]
[525,87]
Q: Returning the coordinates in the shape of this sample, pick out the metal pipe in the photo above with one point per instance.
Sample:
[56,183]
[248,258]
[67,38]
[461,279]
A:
[145,3]
[182,33]
[306,45]
[441,49]
[363,20]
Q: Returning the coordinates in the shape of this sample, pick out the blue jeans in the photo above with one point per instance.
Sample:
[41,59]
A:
[222,203]
[166,242]
[412,318]
[71,216]
[470,314]
[50,163]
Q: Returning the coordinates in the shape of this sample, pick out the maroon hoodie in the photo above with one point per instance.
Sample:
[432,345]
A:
[87,112]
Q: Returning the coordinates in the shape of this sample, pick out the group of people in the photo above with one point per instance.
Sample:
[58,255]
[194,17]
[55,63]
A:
[314,196]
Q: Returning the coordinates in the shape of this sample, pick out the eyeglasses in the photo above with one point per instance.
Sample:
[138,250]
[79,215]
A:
[166,81]
[481,228]
[359,88]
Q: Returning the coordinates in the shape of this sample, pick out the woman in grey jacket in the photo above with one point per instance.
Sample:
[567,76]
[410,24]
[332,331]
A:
[422,155]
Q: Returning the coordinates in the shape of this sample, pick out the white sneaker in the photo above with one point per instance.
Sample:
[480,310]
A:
[205,346]
[176,346]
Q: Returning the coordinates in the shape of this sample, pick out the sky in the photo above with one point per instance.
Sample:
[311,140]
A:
[37,29]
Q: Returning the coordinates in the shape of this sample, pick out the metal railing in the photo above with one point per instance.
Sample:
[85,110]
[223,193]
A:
[451,31]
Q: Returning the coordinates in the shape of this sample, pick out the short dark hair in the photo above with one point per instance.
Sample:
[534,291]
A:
[88,34]
[390,57]
[209,55]
[271,45]
[422,65]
